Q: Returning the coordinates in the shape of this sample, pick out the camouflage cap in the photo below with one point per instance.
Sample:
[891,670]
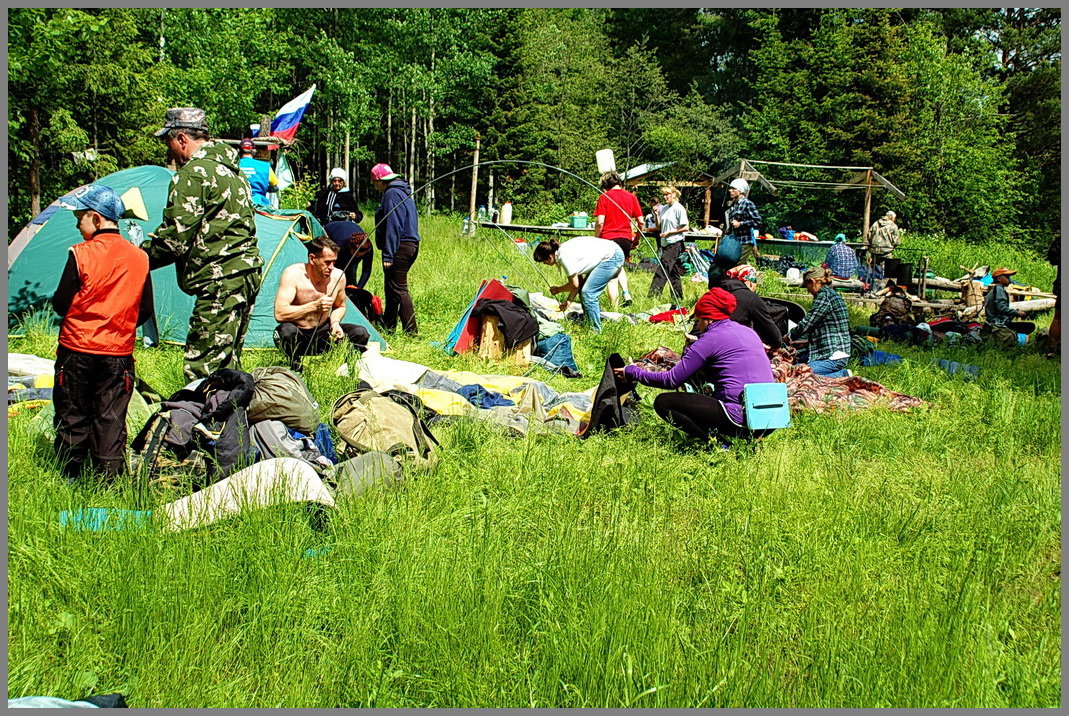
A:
[183,118]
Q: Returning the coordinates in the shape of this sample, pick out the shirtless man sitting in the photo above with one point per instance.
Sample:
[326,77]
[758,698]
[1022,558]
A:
[310,305]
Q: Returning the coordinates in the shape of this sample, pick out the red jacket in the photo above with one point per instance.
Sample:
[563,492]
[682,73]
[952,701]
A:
[102,317]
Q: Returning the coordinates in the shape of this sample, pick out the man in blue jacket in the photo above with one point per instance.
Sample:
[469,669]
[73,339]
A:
[397,236]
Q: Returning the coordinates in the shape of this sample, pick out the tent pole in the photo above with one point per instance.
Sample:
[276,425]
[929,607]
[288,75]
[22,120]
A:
[474,184]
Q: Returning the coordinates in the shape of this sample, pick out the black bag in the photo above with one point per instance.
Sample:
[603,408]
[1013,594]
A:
[614,400]
[779,315]
[207,417]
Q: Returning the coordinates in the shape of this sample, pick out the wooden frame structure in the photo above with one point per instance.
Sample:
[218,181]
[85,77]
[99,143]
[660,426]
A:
[705,182]
[864,178]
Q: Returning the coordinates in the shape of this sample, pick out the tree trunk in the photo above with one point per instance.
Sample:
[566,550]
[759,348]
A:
[412,146]
[427,132]
[389,125]
[163,40]
[35,161]
[348,171]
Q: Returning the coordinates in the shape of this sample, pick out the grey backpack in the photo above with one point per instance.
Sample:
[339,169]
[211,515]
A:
[272,439]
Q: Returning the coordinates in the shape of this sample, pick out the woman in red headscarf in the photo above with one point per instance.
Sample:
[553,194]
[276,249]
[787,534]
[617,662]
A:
[727,354]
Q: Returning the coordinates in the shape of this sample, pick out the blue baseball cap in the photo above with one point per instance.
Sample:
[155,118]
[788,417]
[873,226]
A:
[101,199]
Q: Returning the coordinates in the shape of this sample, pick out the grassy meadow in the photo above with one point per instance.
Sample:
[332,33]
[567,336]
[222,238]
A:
[855,559]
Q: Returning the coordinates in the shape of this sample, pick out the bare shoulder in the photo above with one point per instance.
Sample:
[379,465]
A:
[292,273]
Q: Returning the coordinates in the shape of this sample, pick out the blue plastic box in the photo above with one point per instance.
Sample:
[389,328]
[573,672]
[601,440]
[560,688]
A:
[766,406]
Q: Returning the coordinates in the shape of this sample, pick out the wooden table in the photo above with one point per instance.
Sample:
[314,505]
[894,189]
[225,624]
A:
[525,229]
[778,243]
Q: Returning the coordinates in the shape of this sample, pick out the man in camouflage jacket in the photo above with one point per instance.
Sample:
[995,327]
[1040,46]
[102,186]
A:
[209,233]
[882,239]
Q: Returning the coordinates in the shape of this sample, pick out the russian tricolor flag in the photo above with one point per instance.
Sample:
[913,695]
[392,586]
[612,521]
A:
[287,119]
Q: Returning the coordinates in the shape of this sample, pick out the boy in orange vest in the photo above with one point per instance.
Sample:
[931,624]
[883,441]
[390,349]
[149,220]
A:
[103,296]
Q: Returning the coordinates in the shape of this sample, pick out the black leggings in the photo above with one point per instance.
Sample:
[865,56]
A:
[395,286]
[701,416]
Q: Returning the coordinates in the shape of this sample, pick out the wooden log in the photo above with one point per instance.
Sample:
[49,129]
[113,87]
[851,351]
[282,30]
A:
[1038,304]
[492,344]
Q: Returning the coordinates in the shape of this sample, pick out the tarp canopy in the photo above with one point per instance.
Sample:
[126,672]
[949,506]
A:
[38,254]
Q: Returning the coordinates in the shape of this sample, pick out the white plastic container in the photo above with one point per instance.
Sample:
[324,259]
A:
[506,213]
[606,160]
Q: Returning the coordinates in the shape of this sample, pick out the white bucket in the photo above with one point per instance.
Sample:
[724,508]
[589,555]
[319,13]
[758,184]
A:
[606,160]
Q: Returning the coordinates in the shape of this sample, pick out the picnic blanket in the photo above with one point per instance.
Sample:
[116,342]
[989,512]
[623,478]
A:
[806,391]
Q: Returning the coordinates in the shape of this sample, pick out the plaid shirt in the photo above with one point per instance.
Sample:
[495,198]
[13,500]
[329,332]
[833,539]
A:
[842,261]
[743,211]
[827,325]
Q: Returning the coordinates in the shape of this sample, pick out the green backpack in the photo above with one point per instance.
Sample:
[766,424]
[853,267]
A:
[367,421]
[281,395]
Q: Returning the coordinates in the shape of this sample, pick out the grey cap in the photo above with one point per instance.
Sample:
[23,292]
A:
[183,118]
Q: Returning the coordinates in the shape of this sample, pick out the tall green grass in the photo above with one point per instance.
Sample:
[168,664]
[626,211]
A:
[854,559]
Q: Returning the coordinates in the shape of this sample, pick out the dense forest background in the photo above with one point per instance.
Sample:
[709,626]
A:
[959,108]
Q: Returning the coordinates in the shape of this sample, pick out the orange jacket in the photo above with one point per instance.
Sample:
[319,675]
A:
[103,315]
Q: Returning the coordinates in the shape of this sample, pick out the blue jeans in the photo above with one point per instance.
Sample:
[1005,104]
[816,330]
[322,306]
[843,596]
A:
[596,281]
[557,349]
[829,368]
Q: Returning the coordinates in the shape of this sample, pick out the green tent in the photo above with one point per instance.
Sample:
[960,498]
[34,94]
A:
[37,255]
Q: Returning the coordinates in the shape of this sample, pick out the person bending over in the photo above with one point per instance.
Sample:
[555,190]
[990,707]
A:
[597,260]
[310,305]
[725,353]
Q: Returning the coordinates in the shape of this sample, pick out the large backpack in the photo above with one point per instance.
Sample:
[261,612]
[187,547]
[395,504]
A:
[281,395]
[367,420]
[206,420]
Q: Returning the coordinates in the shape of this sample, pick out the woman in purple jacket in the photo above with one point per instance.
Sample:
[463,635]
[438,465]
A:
[727,354]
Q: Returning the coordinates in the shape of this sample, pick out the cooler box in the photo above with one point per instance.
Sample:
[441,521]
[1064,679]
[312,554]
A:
[766,406]
[579,222]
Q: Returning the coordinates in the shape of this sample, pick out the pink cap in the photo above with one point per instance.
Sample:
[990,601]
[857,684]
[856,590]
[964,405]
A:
[382,172]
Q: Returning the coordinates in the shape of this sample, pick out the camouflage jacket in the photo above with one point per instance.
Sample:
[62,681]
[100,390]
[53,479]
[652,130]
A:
[208,230]
[883,237]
